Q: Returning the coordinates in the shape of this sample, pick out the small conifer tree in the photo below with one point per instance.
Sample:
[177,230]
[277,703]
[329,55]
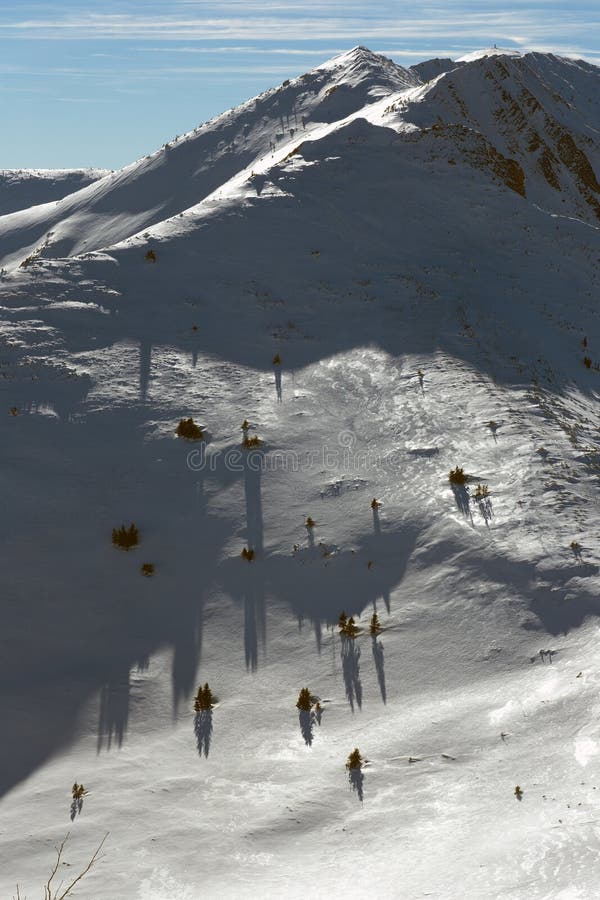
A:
[304,701]
[188,429]
[518,792]
[277,360]
[351,629]
[343,619]
[147,570]
[150,256]
[355,760]
[125,538]
[457,476]
[375,504]
[310,523]
[374,627]
[78,791]
[204,699]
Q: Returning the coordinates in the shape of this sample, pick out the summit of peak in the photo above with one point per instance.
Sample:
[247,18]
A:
[358,54]
[489,51]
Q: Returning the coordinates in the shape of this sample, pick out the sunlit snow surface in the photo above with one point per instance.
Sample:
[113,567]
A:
[427,315]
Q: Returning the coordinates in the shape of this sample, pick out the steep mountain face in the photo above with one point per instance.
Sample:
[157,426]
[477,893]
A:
[189,168]
[538,112]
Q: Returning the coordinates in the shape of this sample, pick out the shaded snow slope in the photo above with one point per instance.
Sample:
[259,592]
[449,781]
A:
[21,188]
[426,315]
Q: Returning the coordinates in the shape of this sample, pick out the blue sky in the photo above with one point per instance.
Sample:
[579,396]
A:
[83,83]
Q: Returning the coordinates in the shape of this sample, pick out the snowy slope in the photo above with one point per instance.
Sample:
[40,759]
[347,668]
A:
[188,168]
[362,257]
[21,188]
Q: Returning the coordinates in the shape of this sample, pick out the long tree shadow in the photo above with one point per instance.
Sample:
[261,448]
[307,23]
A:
[306,718]
[350,656]
[203,729]
[145,368]
[114,710]
[377,648]
[462,500]
[253,582]
[186,625]
[376,521]
[357,782]
[75,808]
[278,387]
[484,505]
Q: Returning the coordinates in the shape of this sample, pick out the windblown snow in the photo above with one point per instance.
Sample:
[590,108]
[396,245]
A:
[386,274]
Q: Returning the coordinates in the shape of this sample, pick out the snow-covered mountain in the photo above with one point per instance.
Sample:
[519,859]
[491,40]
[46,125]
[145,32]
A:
[388,273]
[189,167]
[22,188]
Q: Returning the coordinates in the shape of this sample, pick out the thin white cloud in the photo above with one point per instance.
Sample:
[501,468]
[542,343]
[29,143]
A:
[447,25]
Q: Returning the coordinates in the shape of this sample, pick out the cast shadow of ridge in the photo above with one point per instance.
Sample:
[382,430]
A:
[317,587]
[98,634]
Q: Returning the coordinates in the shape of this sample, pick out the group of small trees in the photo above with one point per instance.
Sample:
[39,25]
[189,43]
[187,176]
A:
[204,699]
[347,625]
[78,791]
[349,628]
[306,701]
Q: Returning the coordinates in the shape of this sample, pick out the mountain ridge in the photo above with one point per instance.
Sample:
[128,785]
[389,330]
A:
[191,168]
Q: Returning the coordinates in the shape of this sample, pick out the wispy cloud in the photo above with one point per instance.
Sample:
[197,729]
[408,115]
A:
[342,23]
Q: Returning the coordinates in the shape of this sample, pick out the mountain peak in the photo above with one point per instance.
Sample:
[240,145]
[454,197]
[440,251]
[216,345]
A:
[358,56]
[489,51]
